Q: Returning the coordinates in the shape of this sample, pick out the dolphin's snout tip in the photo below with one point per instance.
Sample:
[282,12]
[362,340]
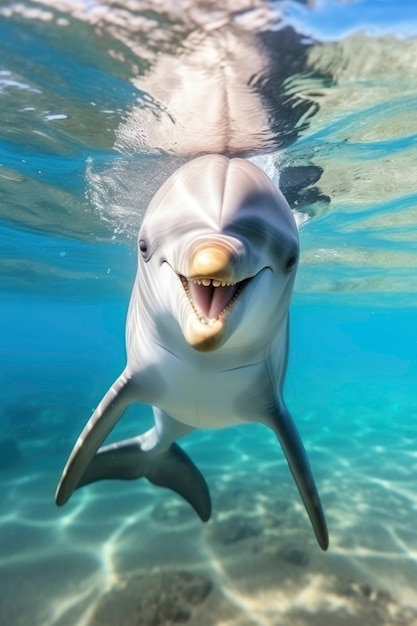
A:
[211,260]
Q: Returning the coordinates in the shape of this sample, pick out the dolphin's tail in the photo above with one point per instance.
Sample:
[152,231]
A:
[172,469]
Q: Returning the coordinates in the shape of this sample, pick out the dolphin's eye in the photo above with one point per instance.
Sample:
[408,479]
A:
[291,261]
[143,247]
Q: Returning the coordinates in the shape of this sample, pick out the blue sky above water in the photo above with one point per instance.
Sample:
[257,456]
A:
[328,20]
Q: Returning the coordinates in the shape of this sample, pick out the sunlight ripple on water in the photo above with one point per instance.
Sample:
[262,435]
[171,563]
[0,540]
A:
[106,109]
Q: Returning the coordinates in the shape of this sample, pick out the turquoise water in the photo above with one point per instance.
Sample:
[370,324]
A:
[88,92]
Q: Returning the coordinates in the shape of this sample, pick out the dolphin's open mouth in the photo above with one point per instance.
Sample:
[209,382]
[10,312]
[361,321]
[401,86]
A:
[210,297]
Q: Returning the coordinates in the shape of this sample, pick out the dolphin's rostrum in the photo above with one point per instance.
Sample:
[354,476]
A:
[206,332]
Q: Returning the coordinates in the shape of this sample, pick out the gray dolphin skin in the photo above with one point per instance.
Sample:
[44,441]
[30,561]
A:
[206,333]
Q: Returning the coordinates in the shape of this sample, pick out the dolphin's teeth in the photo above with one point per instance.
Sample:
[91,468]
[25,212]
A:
[207,290]
[211,282]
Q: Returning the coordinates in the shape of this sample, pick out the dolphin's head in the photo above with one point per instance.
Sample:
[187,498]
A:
[218,252]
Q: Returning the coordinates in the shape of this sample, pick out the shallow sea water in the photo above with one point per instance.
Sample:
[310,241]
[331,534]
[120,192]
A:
[89,93]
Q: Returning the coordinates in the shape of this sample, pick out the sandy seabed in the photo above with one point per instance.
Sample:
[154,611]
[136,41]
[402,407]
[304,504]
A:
[129,554]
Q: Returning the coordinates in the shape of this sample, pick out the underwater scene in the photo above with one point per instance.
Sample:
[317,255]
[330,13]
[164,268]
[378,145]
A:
[101,102]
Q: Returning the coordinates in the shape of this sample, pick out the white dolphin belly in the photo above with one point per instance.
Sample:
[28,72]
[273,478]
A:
[213,399]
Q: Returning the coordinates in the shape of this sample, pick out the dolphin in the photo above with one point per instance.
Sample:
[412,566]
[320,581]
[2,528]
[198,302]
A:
[206,333]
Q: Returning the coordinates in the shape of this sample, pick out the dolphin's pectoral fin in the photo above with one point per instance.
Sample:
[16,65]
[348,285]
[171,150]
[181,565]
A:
[172,469]
[285,429]
[104,418]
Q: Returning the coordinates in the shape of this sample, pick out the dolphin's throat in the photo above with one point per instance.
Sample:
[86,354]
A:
[209,297]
